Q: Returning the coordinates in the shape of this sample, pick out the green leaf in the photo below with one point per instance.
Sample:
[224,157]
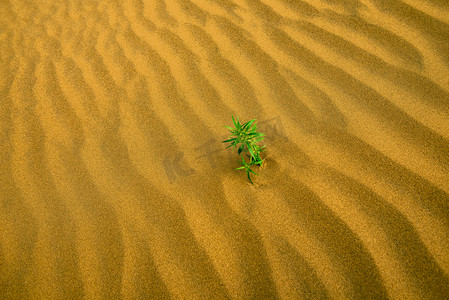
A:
[241,149]
[252,171]
[247,173]
[231,130]
[253,126]
[232,145]
[248,124]
[252,153]
[233,139]
[230,140]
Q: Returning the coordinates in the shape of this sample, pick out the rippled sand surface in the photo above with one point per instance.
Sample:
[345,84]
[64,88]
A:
[114,182]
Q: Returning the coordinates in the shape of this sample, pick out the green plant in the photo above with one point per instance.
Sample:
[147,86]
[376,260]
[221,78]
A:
[245,138]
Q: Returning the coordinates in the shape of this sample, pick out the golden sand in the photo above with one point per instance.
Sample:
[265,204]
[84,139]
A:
[114,182]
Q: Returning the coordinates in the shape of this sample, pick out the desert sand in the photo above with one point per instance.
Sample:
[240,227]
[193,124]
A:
[114,183]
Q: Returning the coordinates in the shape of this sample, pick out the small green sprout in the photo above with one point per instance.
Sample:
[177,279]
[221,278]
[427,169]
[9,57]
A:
[244,137]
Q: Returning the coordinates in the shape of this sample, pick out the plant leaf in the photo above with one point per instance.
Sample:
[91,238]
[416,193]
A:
[254,128]
[233,120]
[241,149]
[247,173]
[229,140]
[252,171]
[254,134]
[248,124]
[252,153]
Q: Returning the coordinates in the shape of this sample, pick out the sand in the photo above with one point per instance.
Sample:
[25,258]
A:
[114,183]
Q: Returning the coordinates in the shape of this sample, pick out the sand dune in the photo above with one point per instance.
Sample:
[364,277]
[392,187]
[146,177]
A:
[114,182]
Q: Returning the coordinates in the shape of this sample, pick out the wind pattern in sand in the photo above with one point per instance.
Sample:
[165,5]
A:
[114,183]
